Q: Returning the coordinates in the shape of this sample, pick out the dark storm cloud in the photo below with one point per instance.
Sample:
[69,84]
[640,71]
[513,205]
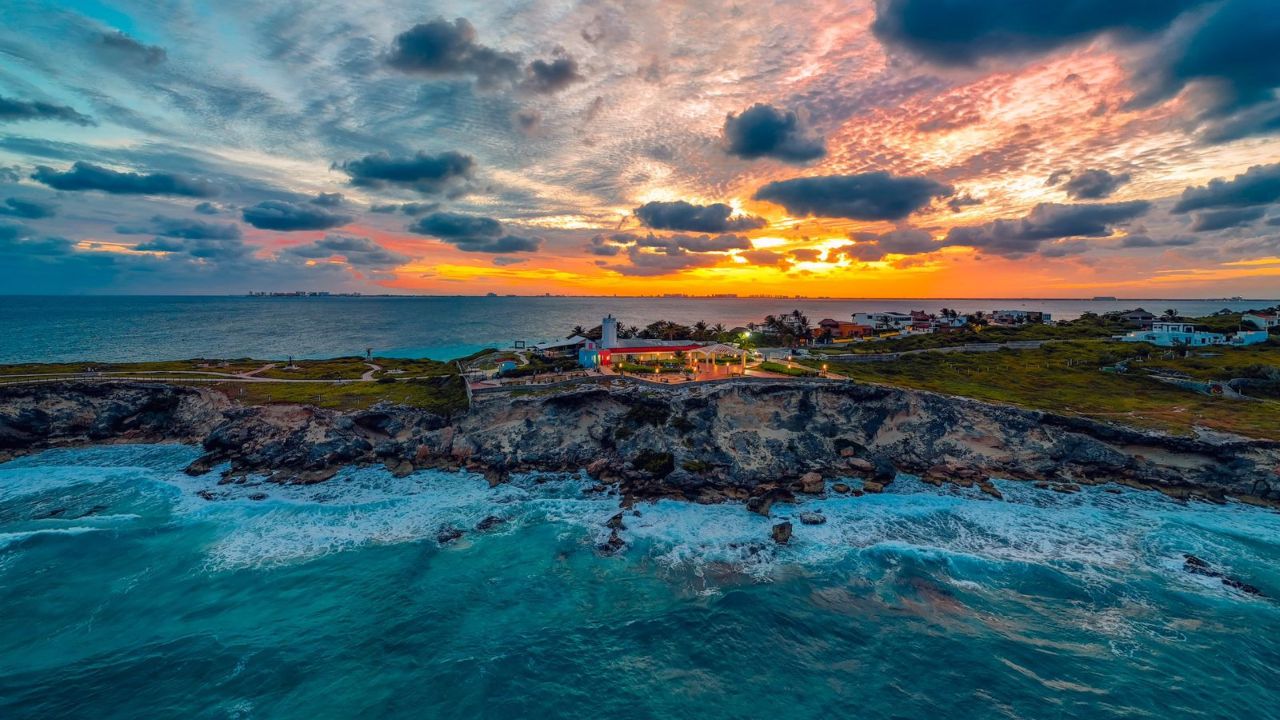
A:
[869,196]
[446,225]
[12,110]
[1091,184]
[649,264]
[207,208]
[215,249]
[1233,52]
[1225,46]
[551,76]
[766,258]
[358,252]
[904,241]
[183,228]
[960,202]
[1047,221]
[963,32]
[609,246]
[1223,219]
[450,49]
[428,174]
[765,131]
[125,46]
[691,243]
[443,48]
[86,176]
[1259,185]
[503,261]
[21,241]
[414,209]
[1146,241]
[681,215]
[473,233]
[27,209]
[333,199]
[287,216]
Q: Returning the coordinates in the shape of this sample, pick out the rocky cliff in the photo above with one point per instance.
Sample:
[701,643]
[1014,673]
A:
[756,442]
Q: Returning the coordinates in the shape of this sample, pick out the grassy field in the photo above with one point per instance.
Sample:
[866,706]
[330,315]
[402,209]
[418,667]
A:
[1067,378]
[793,371]
[990,334]
[444,394]
[193,365]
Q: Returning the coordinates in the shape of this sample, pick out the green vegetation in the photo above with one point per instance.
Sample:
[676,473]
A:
[793,371]
[656,463]
[1084,329]
[1066,377]
[161,366]
[345,368]
[443,395]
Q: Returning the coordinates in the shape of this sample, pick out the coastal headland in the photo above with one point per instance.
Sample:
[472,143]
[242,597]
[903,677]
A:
[754,441]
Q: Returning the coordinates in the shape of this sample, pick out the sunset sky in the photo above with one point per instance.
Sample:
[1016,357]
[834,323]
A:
[901,148]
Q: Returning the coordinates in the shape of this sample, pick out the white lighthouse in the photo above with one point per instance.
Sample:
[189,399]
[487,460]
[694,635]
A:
[609,332]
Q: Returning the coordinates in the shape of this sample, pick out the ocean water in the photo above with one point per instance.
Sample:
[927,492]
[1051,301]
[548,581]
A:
[123,594]
[112,329]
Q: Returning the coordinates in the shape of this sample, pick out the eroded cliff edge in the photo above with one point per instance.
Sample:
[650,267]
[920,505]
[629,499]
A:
[748,441]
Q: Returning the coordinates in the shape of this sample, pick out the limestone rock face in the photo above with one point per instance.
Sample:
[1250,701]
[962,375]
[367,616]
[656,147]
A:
[746,441]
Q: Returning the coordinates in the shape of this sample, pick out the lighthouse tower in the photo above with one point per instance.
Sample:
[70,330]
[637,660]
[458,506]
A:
[609,332]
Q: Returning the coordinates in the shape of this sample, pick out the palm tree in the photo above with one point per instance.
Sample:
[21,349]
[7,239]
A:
[1171,313]
[700,330]
[577,330]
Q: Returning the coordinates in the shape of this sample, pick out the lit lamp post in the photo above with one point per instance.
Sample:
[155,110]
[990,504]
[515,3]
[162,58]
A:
[824,369]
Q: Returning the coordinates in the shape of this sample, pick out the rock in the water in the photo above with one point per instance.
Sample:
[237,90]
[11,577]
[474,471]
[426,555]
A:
[812,518]
[615,523]
[490,522]
[987,487]
[872,486]
[841,488]
[258,496]
[613,545]
[448,535]
[760,505]
[811,483]
[782,533]
[1198,566]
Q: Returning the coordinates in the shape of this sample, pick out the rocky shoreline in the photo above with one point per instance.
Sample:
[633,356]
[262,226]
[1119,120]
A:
[754,443]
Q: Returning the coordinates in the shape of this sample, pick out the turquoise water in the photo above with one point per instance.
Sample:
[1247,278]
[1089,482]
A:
[124,594]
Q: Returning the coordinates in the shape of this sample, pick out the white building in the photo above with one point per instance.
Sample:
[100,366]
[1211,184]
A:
[609,332]
[1184,334]
[1261,320]
[884,320]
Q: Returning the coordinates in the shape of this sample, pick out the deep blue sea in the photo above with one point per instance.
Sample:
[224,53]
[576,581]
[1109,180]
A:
[123,594]
[111,329]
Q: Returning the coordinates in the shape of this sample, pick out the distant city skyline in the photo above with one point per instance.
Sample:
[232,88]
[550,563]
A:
[896,149]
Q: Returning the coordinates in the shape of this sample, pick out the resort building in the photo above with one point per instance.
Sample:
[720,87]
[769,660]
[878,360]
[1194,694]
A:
[1261,320]
[1020,317]
[884,320]
[1138,318]
[836,330]
[1185,334]
[701,357]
